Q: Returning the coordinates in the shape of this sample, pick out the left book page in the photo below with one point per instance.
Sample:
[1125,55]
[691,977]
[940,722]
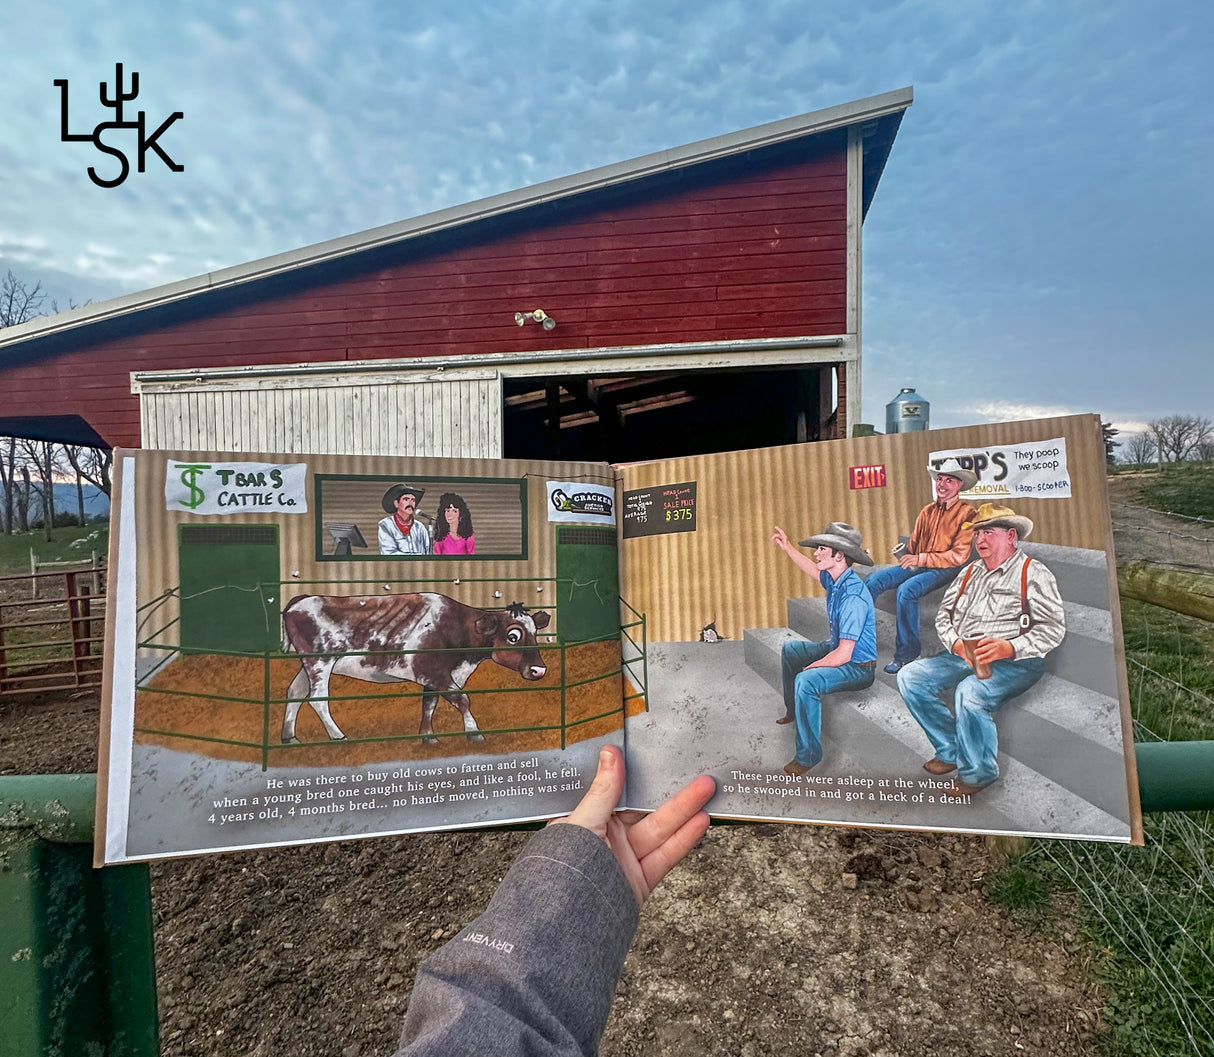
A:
[319,647]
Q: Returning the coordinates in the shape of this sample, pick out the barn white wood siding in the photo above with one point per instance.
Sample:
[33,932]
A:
[448,417]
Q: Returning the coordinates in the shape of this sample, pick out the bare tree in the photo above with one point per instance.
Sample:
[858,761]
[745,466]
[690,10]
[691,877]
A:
[1139,448]
[1177,436]
[1205,449]
[18,488]
[23,498]
[63,464]
[19,302]
[41,455]
[8,458]
[90,464]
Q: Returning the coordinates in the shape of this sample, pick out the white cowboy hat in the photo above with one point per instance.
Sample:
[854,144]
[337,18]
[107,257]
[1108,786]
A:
[843,538]
[991,515]
[952,468]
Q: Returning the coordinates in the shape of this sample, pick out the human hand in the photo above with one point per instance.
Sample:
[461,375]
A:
[779,538]
[907,561]
[988,650]
[647,846]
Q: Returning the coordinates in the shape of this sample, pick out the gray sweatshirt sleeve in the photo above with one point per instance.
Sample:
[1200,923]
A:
[536,972]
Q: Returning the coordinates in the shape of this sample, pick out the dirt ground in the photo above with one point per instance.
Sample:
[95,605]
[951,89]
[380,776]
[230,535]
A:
[769,940]
[378,719]
[1140,533]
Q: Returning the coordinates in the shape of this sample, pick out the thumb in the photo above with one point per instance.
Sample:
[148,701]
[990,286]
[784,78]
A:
[603,795]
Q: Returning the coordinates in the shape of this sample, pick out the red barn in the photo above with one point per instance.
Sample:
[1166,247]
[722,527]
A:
[698,299]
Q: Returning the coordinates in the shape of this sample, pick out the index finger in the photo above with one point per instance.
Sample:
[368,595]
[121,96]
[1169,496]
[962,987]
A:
[658,826]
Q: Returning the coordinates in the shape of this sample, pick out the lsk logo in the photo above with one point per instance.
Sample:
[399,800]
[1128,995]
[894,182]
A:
[115,100]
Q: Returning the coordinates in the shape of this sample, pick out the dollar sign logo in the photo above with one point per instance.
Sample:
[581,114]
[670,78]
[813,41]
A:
[189,476]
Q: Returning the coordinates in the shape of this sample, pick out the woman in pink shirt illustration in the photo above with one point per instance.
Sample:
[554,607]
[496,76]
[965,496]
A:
[453,529]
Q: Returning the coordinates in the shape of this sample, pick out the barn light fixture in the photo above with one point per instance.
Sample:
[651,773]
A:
[539,316]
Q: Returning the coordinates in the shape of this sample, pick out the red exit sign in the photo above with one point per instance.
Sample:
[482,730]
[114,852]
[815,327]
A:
[866,476]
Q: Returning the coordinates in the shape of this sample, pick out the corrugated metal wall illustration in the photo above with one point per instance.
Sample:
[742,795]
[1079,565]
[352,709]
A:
[157,534]
[729,571]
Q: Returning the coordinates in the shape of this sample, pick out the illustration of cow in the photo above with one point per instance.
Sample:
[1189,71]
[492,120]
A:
[424,638]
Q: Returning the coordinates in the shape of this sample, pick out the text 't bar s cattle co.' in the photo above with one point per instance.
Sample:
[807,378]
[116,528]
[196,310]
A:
[1035,469]
[232,487]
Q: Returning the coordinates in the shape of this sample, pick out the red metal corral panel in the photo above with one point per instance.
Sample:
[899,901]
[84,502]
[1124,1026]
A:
[760,253]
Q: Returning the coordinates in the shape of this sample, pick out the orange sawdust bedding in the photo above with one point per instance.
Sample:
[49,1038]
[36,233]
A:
[385,710]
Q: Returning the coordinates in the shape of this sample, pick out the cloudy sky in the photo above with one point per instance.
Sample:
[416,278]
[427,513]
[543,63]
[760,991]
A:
[1042,240]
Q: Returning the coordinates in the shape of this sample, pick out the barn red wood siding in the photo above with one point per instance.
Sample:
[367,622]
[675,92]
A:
[762,254]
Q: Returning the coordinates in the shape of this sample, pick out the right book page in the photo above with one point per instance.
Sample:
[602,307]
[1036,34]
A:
[913,631]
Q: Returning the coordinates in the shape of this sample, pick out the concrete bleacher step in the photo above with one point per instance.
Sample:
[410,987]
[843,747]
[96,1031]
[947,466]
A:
[871,732]
[1085,657]
[1078,694]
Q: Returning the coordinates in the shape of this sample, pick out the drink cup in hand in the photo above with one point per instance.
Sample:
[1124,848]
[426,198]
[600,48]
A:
[970,645]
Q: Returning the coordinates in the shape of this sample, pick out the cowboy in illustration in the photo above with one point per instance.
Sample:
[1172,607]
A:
[848,661]
[399,532]
[997,621]
[938,546]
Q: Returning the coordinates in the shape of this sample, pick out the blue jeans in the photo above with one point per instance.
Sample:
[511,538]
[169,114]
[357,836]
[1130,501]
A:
[968,738]
[803,691]
[912,584]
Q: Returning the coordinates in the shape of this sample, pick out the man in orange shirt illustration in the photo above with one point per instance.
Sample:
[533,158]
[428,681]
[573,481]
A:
[935,552]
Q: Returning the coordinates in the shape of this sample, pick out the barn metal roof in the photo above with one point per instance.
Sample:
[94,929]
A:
[878,117]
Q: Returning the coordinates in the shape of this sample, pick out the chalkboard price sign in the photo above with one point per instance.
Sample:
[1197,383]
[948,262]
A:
[661,509]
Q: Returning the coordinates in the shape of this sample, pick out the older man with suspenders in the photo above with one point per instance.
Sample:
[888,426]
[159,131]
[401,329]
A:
[997,621]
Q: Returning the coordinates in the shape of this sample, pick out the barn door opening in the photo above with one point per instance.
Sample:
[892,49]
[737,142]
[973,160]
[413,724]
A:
[660,415]
[229,588]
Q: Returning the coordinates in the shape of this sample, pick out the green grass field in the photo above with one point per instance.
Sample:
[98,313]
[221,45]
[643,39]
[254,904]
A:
[15,549]
[1183,488]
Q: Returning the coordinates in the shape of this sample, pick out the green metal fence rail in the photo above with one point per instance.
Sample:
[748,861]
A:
[1176,775]
[642,684]
[77,974]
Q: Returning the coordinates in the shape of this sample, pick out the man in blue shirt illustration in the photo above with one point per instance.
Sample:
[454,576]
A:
[849,660]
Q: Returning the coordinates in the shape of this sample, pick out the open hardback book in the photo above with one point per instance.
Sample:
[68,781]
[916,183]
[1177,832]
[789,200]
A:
[305,648]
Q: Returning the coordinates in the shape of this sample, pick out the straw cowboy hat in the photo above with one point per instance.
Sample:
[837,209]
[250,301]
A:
[992,516]
[952,468]
[843,538]
[396,491]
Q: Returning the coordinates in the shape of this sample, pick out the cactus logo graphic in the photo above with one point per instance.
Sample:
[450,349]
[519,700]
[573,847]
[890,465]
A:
[115,101]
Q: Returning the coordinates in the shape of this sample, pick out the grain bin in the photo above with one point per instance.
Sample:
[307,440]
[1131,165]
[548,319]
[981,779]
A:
[907,412]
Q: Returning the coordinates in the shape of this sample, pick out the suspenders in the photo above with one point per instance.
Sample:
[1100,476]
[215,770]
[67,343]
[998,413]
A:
[1026,620]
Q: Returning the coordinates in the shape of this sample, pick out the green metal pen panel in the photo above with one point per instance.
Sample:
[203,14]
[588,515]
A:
[588,583]
[229,585]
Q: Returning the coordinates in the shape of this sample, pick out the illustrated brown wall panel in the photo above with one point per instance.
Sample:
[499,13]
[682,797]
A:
[157,570]
[757,252]
[728,570]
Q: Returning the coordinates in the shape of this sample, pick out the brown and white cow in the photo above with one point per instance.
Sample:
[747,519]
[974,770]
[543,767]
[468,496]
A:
[424,638]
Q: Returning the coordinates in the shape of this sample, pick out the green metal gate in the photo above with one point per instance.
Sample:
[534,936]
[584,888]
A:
[588,583]
[229,578]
